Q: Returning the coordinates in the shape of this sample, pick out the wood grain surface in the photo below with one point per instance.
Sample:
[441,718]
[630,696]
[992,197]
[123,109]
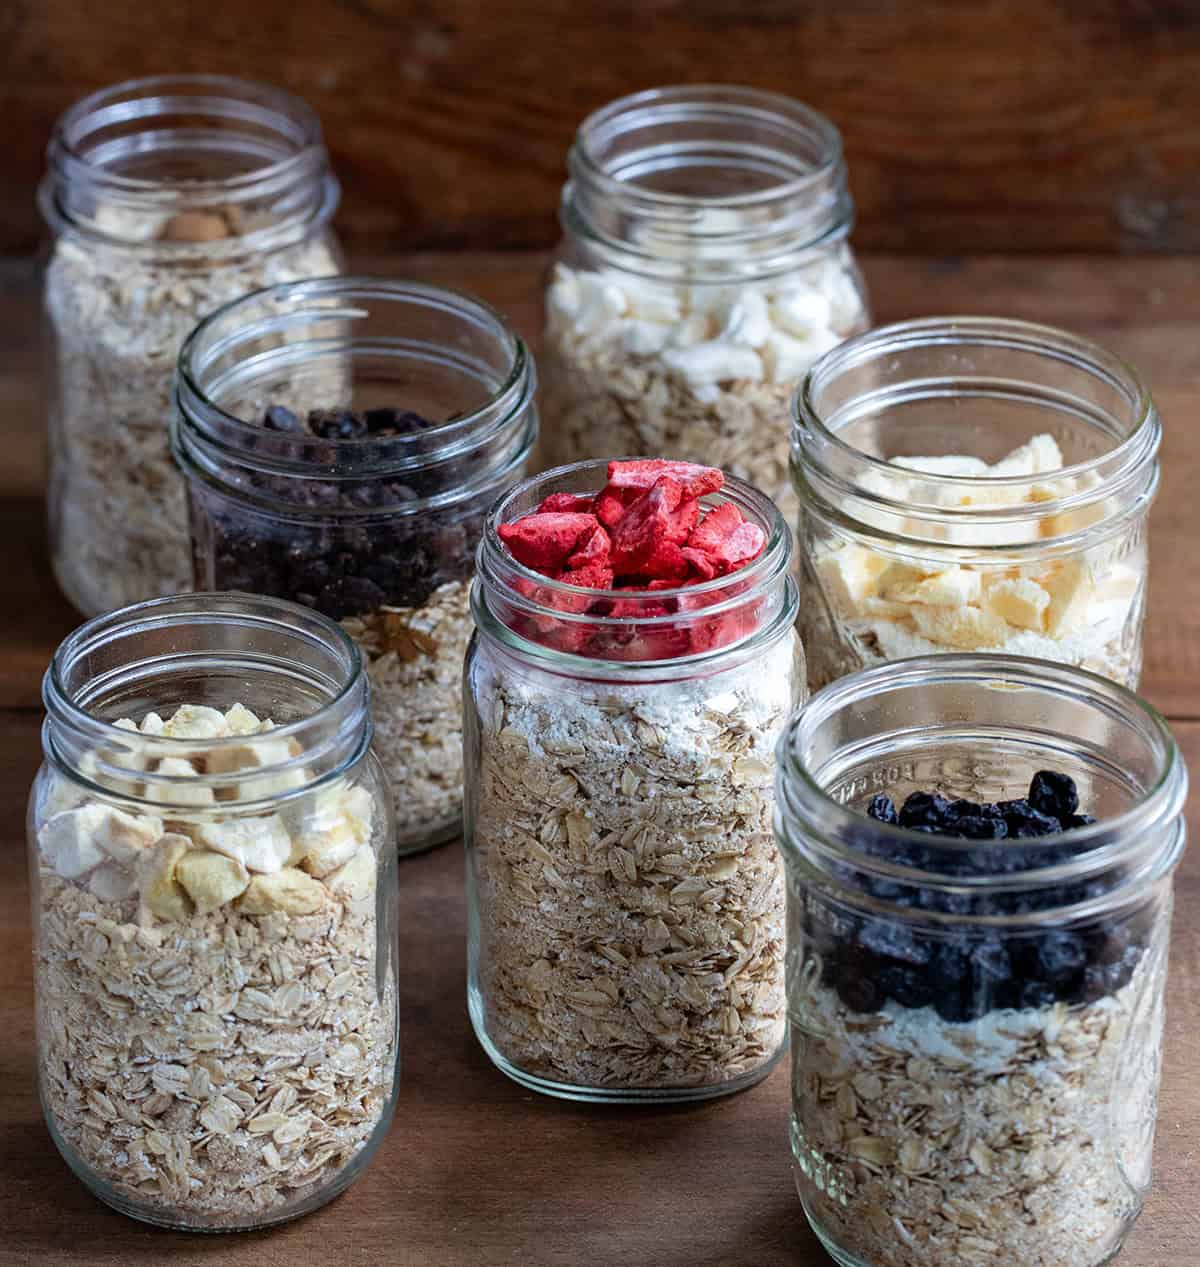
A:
[476,1171]
[1003,125]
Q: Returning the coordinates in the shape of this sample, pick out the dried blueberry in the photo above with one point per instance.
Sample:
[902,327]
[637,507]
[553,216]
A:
[387,422]
[337,424]
[1054,794]
[883,809]
[924,809]
[858,991]
[975,827]
[1036,994]
[992,966]
[1077,820]
[908,986]
[1032,824]
[280,418]
[893,941]
[1059,957]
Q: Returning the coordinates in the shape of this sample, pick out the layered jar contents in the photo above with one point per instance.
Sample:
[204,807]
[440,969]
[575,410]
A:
[215,939]
[974,485]
[634,663]
[342,441]
[978,951]
[705,268]
[167,197]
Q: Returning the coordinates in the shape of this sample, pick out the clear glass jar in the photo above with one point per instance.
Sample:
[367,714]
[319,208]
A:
[167,197]
[625,896]
[214,886]
[976,1028]
[705,266]
[973,484]
[377,532]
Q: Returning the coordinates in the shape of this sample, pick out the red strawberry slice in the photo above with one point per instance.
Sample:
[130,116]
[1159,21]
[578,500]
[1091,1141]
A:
[683,521]
[666,563]
[543,541]
[645,523]
[702,566]
[645,473]
[716,527]
[743,544]
[596,575]
[568,503]
[595,549]
[609,507]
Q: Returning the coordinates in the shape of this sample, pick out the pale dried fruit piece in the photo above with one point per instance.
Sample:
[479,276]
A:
[1035,457]
[177,793]
[239,720]
[291,891]
[955,587]
[111,882]
[260,843]
[850,575]
[76,840]
[967,627]
[161,893]
[356,878]
[896,574]
[211,879]
[328,848]
[1017,600]
[1070,586]
[195,721]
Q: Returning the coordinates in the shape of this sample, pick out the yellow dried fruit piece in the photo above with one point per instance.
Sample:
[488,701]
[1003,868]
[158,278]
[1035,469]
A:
[355,879]
[1071,588]
[177,793]
[161,893]
[969,628]
[195,721]
[1018,601]
[260,843]
[850,575]
[290,891]
[955,587]
[211,879]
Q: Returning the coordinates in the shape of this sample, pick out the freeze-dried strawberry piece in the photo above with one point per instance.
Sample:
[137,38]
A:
[609,507]
[543,541]
[715,527]
[595,575]
[666,563]
[645,523]
[594,549]
[743,544]
[646,472]
[683,520]
[566,503]
[703,567]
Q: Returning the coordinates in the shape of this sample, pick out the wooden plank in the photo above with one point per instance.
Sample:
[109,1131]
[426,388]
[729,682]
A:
[1004,125]
[477,1170]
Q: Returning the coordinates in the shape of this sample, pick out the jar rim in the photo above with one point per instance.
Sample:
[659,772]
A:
[200,419]
[229,97]
[733,99]
[212,607]
[1118,466]
[1102,844]
[498,570]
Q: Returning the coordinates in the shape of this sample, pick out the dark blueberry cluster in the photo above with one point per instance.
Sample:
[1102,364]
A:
[965,974]
[334,562]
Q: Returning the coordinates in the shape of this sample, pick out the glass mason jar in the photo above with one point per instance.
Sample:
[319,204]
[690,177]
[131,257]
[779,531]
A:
[377,531]
[976,1028]
[705,267]
[167,197]
[625,897]
[973,484]
[214,885]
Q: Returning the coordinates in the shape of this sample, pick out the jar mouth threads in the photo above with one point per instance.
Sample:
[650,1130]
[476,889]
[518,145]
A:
[732,179]
[856,736]
[402,337]
[507,596]
[189,163]
[159,654]
[974,387]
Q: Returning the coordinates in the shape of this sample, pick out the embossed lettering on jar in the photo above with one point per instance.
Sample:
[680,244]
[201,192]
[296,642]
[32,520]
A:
[214,883]
[342,441]
[625,895]
[705,267]
[974,484]
[976,1024]
[167,197]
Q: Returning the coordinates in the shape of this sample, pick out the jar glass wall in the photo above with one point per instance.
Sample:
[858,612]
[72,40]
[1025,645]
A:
[705,266]
[973,484]
[167,197]
[214,885]
[625,897]
[976,1026]
[342,441]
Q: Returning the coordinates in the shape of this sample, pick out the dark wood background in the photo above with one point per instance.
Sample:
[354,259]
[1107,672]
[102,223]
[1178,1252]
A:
[971,125]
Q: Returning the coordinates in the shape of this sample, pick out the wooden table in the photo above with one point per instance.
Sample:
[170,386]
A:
[478,1172]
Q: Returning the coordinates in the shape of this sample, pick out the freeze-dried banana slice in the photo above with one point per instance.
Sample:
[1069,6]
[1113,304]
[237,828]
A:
[291,891]
[211,879]
[195,721]
[260,843]
[969,628]
[161,893]
[1017,600]
[76,840]
[355,879]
